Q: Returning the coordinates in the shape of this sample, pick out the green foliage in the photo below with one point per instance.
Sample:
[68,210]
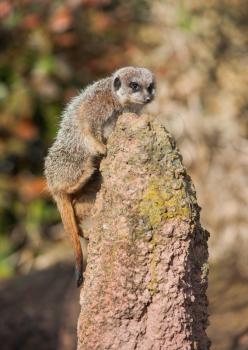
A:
[185,19]
[39,213]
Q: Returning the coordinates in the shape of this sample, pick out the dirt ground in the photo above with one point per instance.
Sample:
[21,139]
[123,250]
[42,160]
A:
[45,315]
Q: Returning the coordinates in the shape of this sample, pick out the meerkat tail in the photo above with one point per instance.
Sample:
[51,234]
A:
[68,218]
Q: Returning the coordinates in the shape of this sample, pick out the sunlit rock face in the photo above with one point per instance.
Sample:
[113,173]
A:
[146,277]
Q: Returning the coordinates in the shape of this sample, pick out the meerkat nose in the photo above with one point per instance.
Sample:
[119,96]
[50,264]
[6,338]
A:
[148,99]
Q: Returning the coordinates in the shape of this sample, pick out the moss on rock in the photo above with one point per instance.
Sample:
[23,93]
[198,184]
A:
[162,202]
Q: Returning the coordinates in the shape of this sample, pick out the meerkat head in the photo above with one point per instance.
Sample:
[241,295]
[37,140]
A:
[134,86]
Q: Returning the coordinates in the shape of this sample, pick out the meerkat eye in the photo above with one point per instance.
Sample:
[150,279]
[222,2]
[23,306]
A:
[150,88]
[134,86]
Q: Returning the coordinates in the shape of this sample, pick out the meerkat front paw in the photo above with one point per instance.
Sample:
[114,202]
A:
[101,149]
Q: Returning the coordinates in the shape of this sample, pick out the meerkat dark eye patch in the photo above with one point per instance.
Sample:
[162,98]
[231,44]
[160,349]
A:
[117,83]
[151,87]
[134,86]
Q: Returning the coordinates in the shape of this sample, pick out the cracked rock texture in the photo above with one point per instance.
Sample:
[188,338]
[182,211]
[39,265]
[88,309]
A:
[146,278]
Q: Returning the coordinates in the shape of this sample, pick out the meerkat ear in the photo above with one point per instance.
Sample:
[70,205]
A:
[117,83]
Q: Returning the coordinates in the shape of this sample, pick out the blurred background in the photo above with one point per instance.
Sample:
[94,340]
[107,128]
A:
[49,50]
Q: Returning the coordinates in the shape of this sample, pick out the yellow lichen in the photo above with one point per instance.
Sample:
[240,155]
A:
[161,202]
[153,284]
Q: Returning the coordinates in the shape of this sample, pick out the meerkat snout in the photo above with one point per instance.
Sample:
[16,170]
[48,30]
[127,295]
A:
[134,86]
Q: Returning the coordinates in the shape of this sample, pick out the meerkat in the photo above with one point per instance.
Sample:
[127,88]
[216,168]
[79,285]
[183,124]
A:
[86,125]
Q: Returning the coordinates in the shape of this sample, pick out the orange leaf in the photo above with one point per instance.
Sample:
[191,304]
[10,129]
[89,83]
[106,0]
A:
[30,188]
[5,9]
[61,20]
[31,21]
[66,39]
[25,130]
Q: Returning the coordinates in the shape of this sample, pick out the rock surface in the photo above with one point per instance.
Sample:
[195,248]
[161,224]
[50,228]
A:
[146,277]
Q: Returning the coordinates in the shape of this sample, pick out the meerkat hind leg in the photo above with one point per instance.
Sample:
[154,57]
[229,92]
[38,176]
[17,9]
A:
[84,178]
[84,200]
[64,202]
